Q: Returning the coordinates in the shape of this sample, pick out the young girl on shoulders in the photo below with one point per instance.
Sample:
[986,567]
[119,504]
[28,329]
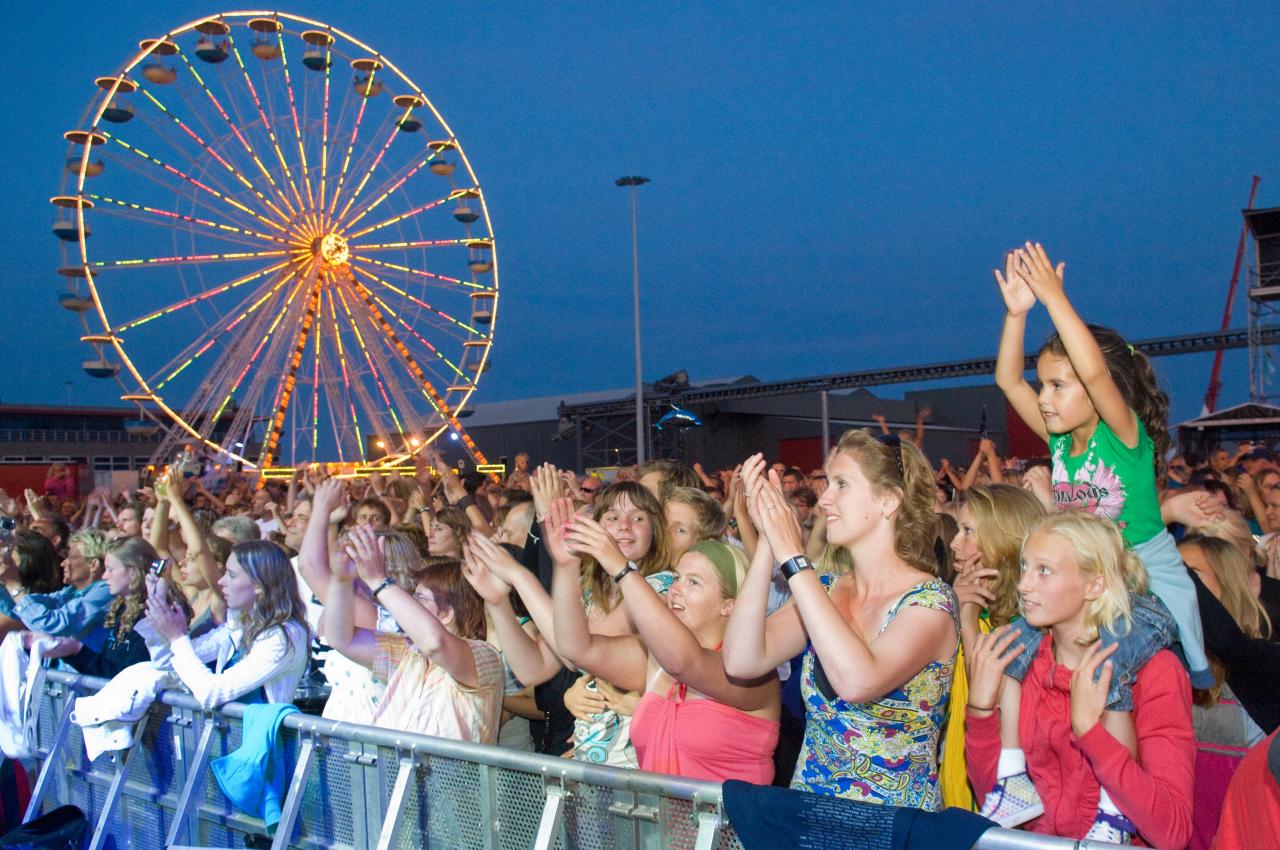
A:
[1103,415]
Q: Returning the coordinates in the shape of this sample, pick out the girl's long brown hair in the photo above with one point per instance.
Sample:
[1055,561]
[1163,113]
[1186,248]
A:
[277,601]
[595,580]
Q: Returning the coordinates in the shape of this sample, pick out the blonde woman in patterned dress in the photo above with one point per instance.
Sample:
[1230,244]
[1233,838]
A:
[879,642]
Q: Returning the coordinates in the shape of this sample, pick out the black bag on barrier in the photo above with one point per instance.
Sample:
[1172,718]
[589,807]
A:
[64,828]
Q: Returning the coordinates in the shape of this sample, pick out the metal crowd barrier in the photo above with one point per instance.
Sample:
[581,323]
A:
[363,788]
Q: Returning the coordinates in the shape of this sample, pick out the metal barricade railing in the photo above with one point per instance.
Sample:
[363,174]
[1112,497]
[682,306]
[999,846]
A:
[362,788]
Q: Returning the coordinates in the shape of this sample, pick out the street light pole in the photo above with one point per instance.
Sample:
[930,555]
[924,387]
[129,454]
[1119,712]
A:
[635,183]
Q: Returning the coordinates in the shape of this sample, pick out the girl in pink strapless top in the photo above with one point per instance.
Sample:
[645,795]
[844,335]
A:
[701,738]
[729,729]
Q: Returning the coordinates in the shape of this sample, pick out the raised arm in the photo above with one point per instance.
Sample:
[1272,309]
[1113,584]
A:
[621,660]
[337,625]
[198,550]
[858,670]
[529,656]
[456,495]
[921,415]
[676,649]
[1082,349]
[431,637]
[1010,359]
[314,558]
[754,645]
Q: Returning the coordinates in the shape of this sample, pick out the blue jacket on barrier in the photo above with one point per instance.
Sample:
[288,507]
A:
[252,777]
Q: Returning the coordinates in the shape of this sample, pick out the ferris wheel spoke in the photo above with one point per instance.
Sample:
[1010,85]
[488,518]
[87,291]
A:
[237,217]
[284,391]
[428,389]
[266,122]
[195,299]
[346,384]
[351,144]
[208,149]
[419,276]
[203,187]
[388,310]
[437,318]
[376,375]
[396,219]
[146,214]
[402,246]
[190,259]
[199,346]
[393,183]
[297,125]
[424,305]
[235,129]
[267,337]
[391,137]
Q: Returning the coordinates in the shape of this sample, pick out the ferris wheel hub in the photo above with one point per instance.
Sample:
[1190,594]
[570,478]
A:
[332,249]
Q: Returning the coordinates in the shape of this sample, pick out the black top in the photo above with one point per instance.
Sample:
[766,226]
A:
[1251,662]
[115,655]
[1269,596]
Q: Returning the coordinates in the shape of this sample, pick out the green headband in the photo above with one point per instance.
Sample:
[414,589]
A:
[722,559]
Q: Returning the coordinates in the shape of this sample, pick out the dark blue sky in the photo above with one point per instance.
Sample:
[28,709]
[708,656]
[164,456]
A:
[831,185]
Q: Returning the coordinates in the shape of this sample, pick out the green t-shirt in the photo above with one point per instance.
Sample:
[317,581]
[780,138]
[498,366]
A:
[1109,479]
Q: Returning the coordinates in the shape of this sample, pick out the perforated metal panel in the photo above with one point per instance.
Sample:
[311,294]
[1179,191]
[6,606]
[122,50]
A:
[520,800]
[325,819]
[588,820]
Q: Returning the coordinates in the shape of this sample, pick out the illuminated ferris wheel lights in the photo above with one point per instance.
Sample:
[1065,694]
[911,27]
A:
[315,352]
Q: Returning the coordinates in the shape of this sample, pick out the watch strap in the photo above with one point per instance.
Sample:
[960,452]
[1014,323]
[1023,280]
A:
[386,582]
[631,567]
[792,566]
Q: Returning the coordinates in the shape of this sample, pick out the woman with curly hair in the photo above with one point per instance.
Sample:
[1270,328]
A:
[260,651]
[118,643]
[881,638]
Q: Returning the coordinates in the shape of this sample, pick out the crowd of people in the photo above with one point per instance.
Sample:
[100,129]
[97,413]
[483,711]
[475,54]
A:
[1082,644]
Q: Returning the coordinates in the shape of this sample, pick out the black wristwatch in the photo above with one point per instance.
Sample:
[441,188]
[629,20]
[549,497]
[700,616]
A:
[386,582]
[631,567]
[791,566]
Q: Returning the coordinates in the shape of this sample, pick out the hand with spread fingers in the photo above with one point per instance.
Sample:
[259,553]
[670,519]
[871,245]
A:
[546,488]
[992,653]
[493,558]
[555,529]
[1089,684]
[1018,297]
[1040,274]
[166,617]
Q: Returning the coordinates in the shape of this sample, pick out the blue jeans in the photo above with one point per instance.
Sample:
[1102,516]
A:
[1168,579]
[1151,629]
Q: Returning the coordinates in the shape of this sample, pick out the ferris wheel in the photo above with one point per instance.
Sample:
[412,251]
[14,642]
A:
[277,246]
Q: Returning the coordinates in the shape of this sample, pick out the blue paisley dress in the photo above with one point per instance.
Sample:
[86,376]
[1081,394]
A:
[885,751]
